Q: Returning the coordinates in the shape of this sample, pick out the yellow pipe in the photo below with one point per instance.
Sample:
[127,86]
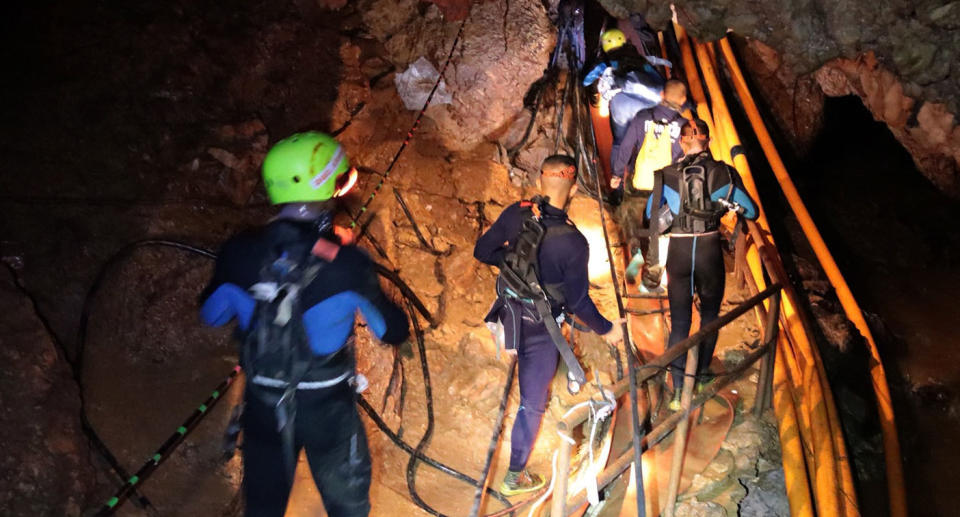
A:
[694,87]
[897,494]
[825,468]
[798,482]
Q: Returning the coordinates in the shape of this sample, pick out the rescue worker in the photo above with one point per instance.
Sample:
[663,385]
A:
[303,175]
[652,139]
[562,264]
[696,192]
[625,80]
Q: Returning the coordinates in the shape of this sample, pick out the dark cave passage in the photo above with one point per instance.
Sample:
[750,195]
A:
[892,233]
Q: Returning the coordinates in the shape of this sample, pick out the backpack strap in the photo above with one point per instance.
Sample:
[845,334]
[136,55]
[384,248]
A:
[653,249]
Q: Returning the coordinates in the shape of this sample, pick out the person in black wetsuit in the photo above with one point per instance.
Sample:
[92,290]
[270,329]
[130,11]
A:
[695,260]
[303,174]
[562,258]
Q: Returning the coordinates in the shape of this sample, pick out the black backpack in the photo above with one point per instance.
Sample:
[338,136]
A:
[276,345]
[698,213]
[520,279]
[520,269]
[275,352]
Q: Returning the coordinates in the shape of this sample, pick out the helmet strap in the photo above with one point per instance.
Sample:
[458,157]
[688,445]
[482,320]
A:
[307,212]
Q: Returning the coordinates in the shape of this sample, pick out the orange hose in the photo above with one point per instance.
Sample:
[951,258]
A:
[793,456]
[825,468]
[897,494]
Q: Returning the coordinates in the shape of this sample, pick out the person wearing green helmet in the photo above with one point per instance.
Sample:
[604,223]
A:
[294,287]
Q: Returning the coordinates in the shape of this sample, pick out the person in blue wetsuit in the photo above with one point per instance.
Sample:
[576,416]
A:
[303,174]
[562,261]
[697,191]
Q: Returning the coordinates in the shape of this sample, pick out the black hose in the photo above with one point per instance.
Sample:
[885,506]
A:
[428,433]
[77,362]
[495,439]
[450,471]
[416,228]
[412,300]
[638,430]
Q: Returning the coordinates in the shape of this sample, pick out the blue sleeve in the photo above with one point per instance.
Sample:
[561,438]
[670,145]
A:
[668,197]
[628,146]
[227,302]
[386,319]
[597,71]
[492,244]
[576,289]
[738,196]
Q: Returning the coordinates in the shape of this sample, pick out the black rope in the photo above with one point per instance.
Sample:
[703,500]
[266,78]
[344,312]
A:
[638,430]
[495,439]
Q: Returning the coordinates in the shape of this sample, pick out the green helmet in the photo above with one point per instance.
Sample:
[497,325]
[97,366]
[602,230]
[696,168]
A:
[305,167]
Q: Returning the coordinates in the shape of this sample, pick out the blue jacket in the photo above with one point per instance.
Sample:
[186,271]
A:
[624,154]
[562,259]
[345,285]
[717,181]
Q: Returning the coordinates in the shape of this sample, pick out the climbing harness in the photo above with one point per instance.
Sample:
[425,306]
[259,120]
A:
[519,281]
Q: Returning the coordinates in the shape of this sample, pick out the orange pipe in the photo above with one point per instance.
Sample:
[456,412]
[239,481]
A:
[897,494]
[695,88]
[825,468]
[798,483]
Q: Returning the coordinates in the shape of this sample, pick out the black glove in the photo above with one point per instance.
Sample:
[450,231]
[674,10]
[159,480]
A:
[650,277]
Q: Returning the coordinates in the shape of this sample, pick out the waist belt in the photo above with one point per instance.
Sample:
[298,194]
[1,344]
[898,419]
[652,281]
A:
[268,382]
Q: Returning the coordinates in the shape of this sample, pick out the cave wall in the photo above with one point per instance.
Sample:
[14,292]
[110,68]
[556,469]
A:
[899,56]
[46,458]
[504,49]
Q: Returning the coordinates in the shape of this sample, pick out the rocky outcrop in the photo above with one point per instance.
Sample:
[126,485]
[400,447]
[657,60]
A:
[45,468]
[504,49]
[794,100]
[928,130]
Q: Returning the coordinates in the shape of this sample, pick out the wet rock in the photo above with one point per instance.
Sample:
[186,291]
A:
[797,100]
[927,130]
[698,509]
[239,156]
[766,495]
[45,469]
[503,50]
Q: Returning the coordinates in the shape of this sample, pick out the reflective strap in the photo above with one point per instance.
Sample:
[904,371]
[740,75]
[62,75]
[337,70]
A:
[672,234]
[313,385]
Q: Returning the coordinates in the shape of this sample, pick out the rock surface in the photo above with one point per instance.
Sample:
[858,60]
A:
[505,46]
[45,467]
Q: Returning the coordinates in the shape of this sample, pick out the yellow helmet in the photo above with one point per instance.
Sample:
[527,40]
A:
[612,39]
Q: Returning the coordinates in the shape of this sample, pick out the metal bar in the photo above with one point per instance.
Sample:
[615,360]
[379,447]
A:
[497,429]
[680,439]
[560,481]
[765,379]
[661,431]
[579,415]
